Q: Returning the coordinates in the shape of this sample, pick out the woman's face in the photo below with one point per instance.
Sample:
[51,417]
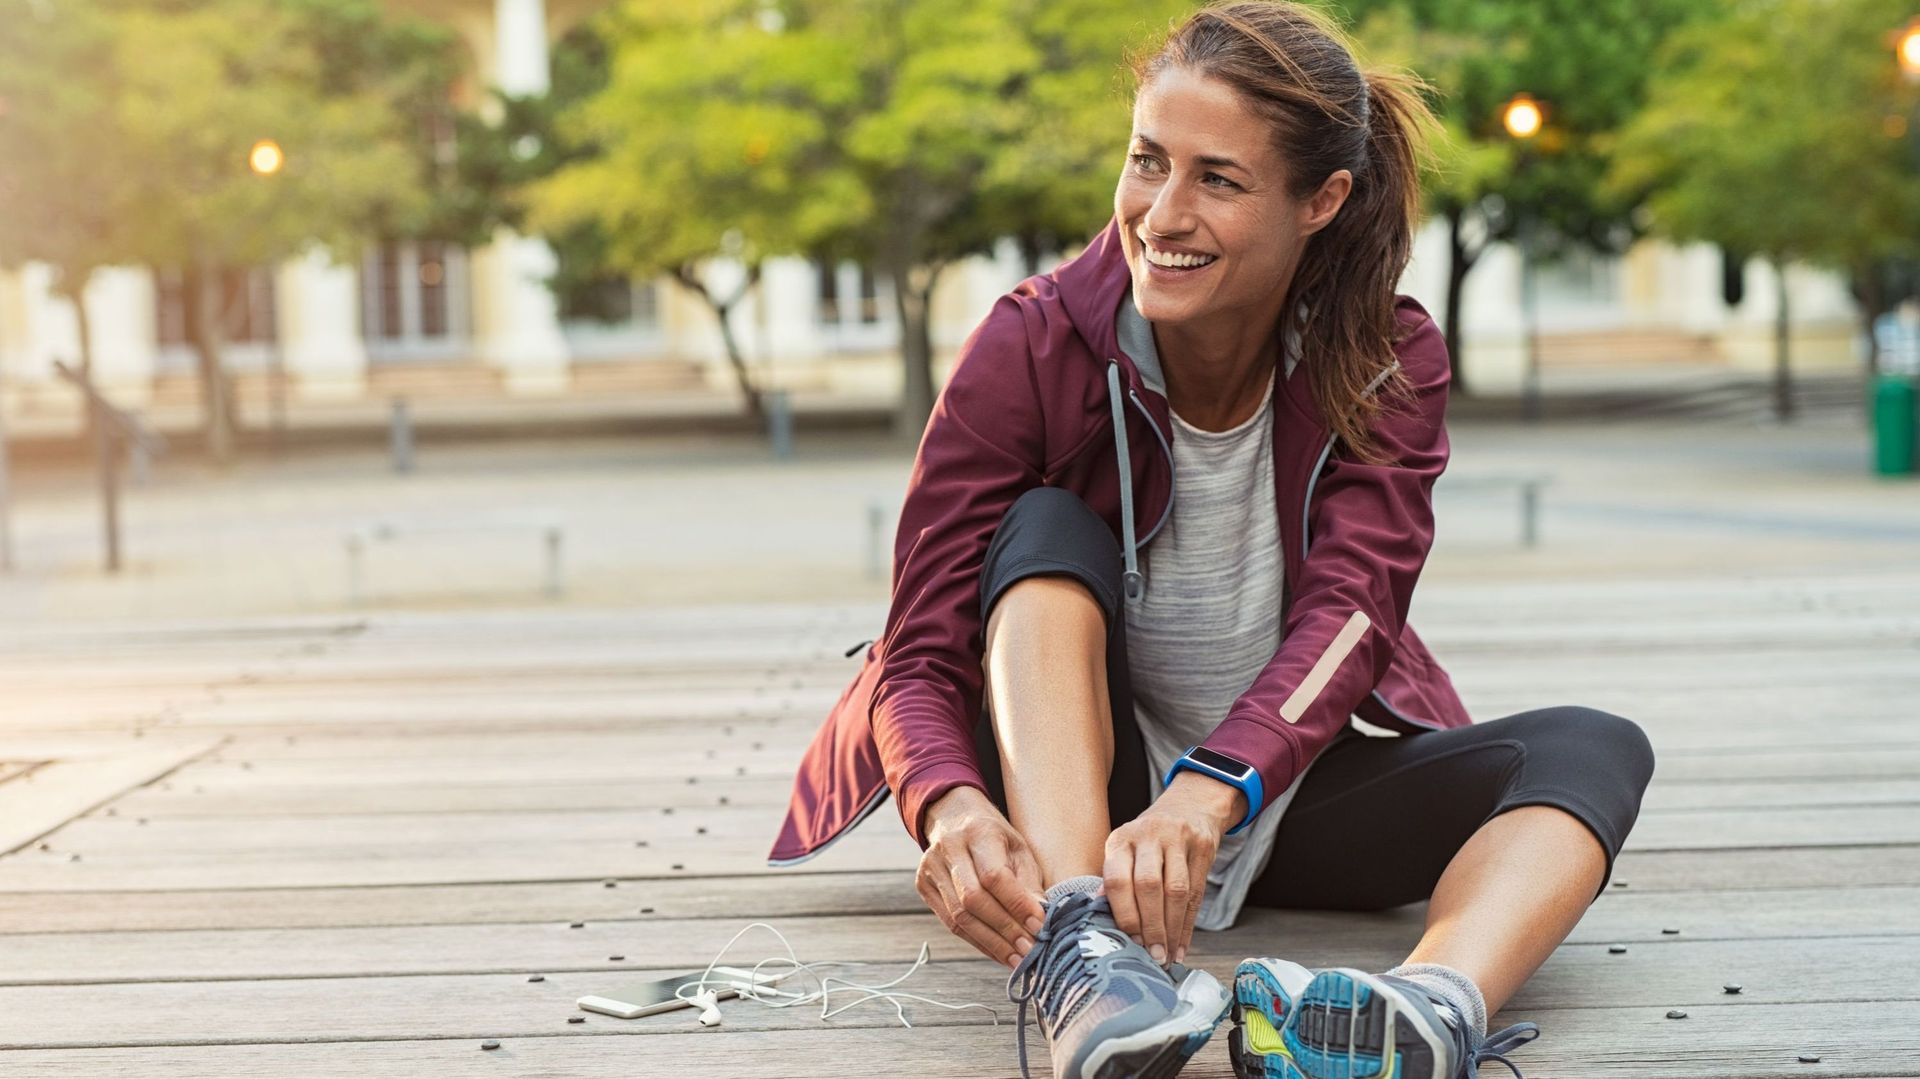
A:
[1202,177]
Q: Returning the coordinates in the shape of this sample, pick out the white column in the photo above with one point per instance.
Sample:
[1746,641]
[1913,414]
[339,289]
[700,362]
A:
[319,305]
[516,318]
[120,314]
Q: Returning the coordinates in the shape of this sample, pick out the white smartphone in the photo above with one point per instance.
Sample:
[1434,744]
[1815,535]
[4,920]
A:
[647,998]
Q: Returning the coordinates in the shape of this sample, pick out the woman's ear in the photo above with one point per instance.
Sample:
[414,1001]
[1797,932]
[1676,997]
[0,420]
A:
[1326,202]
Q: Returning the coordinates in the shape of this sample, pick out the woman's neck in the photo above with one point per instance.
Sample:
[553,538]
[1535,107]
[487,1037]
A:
[1216,379]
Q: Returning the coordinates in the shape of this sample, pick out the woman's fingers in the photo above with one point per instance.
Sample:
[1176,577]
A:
[953,914]
[1150,894]
[1199,861]
[1117,875]
[1020,890]
[989,924]
[1176,877]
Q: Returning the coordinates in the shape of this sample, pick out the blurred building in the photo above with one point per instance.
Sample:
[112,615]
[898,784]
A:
[432,319]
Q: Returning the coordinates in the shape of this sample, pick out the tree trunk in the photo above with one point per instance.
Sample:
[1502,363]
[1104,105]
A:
[913,300]
[1782,372]
[206,330]
[1867,282]
[689,279]
[1460,261]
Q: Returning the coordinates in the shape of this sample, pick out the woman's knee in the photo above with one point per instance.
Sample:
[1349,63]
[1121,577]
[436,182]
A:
[1591,735]
[1050,531]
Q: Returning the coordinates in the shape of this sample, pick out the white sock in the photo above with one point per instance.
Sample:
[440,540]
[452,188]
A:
[1085,883]
[1454,986]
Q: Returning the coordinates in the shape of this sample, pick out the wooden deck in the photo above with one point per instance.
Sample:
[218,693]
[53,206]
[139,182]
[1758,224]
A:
[343,846]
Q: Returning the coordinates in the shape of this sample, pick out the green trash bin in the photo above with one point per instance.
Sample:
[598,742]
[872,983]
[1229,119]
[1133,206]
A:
[1895,415]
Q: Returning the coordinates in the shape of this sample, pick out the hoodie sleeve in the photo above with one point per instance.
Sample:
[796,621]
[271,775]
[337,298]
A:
[1370,527]
[983,447]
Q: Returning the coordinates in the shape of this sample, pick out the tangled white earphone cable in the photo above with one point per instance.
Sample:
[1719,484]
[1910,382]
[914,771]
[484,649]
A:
[704,997]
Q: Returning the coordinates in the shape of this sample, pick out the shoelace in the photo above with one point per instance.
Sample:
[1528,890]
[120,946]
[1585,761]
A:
[1504,1041]
[1049,971]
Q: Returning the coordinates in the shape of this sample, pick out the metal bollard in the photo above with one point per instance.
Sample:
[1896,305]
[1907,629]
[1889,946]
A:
[1529,515]
[401,441]
[780,423]
[876,561]
[553,562]
[139,461]
[355,548]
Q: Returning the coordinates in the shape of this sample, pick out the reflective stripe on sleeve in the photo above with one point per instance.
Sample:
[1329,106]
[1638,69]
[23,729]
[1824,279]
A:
[1322,672]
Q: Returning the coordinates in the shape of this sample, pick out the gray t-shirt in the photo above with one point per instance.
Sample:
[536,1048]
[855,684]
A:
[1209,620]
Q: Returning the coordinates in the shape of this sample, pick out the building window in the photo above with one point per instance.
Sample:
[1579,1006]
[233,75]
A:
[829,275]
[614,301]
[245,303]
[849,294]
[413,297]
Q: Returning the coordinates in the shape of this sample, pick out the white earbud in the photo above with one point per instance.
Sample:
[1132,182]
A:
[709,1004]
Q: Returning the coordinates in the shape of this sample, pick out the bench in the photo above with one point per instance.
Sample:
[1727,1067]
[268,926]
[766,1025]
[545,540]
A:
[1528,484]
[359,539]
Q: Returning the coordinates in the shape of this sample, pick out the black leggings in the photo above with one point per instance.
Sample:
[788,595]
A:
[1377,819]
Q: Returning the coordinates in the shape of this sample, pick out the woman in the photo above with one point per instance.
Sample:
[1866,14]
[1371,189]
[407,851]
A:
[1104,736]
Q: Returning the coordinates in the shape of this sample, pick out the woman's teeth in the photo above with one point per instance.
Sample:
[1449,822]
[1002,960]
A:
[1177,262]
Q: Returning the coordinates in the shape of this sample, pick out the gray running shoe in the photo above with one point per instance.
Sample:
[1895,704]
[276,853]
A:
[1108,1010]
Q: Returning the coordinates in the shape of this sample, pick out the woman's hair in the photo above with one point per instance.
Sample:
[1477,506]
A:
[1294,65]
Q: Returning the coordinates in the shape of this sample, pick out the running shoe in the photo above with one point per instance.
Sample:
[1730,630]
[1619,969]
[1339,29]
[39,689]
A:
[1264,992]
[1348,1024]
[1107,1009]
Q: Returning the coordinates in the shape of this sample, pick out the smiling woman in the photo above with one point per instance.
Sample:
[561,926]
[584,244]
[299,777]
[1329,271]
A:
[1268,173]
[1111,716]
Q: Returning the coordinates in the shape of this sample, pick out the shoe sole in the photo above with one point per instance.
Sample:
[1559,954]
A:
[1161,1050]
[1351,1025]
[1261,1004]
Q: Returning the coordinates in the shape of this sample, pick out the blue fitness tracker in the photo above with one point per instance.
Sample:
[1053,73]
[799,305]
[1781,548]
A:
[1226,770]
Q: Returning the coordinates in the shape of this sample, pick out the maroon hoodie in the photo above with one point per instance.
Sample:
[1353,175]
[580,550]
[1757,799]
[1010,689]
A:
[1032,400]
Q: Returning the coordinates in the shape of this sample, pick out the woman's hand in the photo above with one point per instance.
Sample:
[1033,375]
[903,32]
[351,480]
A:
[979,876]
[1157,863]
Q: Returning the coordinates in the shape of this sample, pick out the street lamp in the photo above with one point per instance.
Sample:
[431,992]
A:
[1523,117]
[1907,48]
[266,157]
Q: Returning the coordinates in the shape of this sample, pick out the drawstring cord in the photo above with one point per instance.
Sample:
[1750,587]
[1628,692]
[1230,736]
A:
[1131,581]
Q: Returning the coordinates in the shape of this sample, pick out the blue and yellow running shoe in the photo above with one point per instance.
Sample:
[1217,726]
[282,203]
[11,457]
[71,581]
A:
[1108,1010]
[1348,1024]
[1264,992]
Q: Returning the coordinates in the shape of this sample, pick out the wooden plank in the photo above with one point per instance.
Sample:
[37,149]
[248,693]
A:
[1715,1042]
[1665,975]
[56,792]
[758,791]
[868,936]
[814,889]
[730,831]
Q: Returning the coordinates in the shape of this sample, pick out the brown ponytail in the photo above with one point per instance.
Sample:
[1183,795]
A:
[1294,65]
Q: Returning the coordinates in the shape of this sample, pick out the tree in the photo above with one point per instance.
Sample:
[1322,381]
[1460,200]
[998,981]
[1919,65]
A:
[66,196]
[1587,60]
[696,147]
[1769,132]
[171,99]
[905,135]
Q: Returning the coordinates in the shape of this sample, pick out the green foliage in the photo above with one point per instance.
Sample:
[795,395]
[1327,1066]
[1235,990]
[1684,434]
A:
[129,125]
[1587,61]
[1783,130]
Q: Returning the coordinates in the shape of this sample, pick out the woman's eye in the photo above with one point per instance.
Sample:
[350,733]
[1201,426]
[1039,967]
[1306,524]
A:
[1146,163]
